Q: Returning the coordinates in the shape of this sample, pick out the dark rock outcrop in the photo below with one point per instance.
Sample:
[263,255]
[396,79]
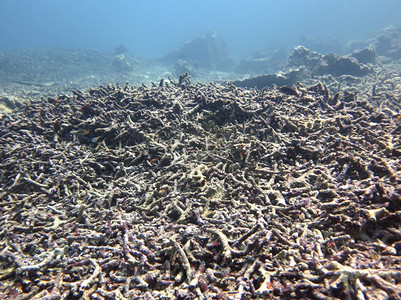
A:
[333,64]
[365,55]
[279,79]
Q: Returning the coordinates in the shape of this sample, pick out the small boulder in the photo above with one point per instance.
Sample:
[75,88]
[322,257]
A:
[208,51]
[121,64]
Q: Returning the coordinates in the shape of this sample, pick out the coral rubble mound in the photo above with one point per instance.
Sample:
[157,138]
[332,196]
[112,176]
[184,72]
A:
[184,191]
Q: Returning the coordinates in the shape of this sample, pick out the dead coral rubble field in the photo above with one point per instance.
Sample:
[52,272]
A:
[185,191]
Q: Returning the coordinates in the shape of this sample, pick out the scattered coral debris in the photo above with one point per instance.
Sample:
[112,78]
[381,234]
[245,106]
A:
[184,191]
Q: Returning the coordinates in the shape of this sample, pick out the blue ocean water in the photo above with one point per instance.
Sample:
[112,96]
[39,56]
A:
[152,28]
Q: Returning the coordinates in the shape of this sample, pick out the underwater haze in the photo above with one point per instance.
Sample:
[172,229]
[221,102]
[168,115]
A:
[200,149]
[152,28]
